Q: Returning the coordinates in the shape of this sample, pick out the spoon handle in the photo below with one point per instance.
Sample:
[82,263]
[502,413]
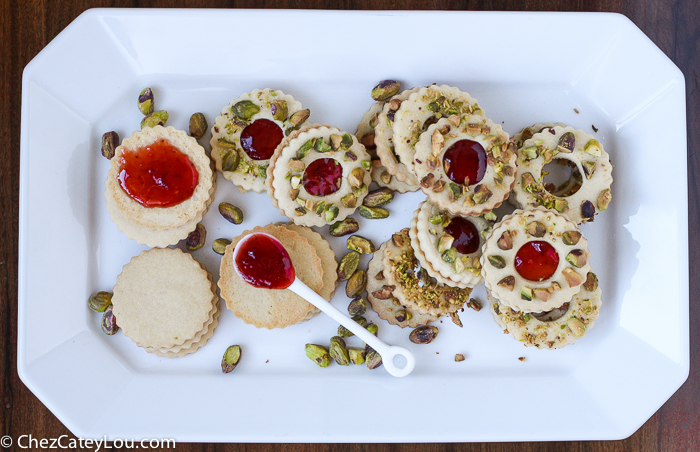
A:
[387,352]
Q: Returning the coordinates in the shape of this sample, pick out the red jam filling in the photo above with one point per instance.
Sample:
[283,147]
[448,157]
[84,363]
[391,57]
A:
[322,177]
[263,262]
[465,159]
[260,139]
[465,234]
[536,261]
[157,175]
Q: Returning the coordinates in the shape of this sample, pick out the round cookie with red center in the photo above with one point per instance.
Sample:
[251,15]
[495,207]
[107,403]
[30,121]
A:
[535,260]
[423,108]
[248,131]
[159,186]
[556,328]
[384,139]
[587,189]
[465,164]
[319,175]
[449,246]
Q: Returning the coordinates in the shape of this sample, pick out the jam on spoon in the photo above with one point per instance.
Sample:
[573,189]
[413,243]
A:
[263,262]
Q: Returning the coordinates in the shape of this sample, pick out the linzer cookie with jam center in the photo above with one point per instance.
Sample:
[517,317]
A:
[413,286]
[165,302]
[535,260]
[384,139]
[267,308]
[465,164]
[556,328]
[159,186]
[319,176]
[423,108]
[449,246]
[382,299]
[585,193]
[249,130]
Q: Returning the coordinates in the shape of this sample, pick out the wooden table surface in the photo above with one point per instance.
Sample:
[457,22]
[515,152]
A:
[29,25]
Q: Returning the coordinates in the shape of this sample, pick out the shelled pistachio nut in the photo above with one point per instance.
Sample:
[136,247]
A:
[423,334]
[100,301]
[356,284]
[378,198]
[358,306]
[195,239]
[198,125]
[231,358]
[318,354]
[373,359]
[360,244]
[373,213]
[339,351]
[357,355]
[231,213]
[146,102]
[385,90]
[109,322]
[219,246]
[347,226]
[110,141]
[157,118]
[347,265]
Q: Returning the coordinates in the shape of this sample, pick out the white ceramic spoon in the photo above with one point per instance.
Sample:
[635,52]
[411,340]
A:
[387,352]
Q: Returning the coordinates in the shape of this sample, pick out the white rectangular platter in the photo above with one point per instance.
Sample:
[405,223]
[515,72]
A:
[580,69]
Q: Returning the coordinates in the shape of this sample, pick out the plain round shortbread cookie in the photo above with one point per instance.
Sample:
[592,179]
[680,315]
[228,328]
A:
[267,308]
[163,298]
[325,253]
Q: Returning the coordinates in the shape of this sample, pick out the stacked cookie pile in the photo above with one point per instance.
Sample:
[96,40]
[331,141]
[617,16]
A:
[438,139]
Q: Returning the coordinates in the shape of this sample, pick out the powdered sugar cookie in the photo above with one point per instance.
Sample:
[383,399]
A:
[535,260]
[425,107]
[248,131]
[554,329]
[413,286]
[382,300]
[465,164]
[267,308]
[383,178]
[162,299]
[384,138]
[449,246]
[159,185]
[585,193]
[320,176]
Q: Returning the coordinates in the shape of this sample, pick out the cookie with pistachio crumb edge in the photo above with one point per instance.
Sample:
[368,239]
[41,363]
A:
[449,246]
[584,194]
[465,164]
[248,131]
[382,177]
[414,287]
[382,300]
[384,139]
[556,328]
[535,260]
[320,176]
[423,108]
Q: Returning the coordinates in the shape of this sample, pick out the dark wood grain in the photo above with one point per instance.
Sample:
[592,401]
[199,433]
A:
[26,26]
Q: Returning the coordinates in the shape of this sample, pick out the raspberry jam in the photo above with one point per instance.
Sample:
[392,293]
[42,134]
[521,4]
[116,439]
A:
[260,139]
[322,177]
[157,175]
[465,158]
[465,234]
[536,261]
[262,262]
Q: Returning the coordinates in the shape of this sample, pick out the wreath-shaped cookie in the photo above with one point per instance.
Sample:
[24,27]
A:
[465,164]
[449,246]
[535,260]
[319,175]
[247,133]
[584,194]
[556,328]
